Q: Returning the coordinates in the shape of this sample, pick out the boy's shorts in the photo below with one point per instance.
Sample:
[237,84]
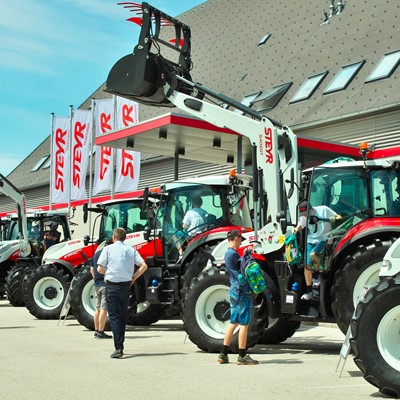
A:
[316,248]
[101,303]
[240,308]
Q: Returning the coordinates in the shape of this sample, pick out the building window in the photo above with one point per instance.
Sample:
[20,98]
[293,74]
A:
[385,67]
[264,40]
[47,164]
[343,78]
[309,86]
[40,163]
[270,98]
[247,100]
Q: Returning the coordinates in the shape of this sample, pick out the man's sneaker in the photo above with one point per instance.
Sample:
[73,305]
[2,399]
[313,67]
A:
[223,359]
[95,334]
[246,360]
[103,335]
[307,296]
[117,354]
[316,282]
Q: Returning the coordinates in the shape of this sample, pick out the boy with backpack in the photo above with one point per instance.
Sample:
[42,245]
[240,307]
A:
[241,303]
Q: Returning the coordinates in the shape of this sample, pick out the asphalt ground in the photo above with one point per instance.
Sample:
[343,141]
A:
[43,360]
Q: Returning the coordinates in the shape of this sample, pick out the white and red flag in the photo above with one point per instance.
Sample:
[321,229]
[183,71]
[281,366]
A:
[60,165]
[128,162]
[104,122]
[81,144]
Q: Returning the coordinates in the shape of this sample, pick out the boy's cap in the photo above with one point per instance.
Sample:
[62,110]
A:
[233,233]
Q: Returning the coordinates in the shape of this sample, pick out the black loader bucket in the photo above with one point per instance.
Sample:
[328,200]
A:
[141,76]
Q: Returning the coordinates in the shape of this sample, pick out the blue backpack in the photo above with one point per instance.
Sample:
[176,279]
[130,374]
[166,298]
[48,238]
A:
[292,252]
[252,273]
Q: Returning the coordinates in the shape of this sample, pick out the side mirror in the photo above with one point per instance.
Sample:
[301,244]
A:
[86,239]
[85,212]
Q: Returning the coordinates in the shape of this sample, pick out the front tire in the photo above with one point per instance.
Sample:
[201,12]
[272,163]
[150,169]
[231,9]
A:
[14,286]
[143,314]
[206,315]
[360,269]
[375,331]
[45,290]
[278,330]
[83,299]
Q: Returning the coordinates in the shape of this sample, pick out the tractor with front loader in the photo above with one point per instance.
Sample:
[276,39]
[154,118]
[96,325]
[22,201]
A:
[361,192]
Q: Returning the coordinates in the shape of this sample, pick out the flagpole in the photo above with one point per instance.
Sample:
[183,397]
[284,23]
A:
[92,139]
[51,160]
[114,124]
[71,114]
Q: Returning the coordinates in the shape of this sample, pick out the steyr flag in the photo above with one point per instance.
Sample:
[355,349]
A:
[81,143]
[60,165]
[128,162]
[104,122]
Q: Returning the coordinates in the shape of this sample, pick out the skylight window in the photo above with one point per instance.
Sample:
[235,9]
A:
[343,78]
[40,163]
[270,98]
[309,86]
[47,164]
[264,40]
[247,100]
[385,67]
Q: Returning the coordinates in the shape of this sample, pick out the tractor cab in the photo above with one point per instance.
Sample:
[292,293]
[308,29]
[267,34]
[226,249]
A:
[193,211]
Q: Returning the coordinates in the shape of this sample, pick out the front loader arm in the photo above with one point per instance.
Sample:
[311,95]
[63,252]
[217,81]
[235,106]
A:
[275,148]
[10,190]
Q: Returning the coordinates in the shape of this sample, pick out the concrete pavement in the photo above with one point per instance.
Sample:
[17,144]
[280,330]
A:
[41,360]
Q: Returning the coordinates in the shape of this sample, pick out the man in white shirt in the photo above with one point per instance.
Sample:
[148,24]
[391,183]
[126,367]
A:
[117,262]
[195,219]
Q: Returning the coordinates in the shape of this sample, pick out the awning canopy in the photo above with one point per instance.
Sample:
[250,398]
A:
[176,134]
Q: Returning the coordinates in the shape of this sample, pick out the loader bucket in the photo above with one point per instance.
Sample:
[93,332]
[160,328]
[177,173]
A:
[141,76]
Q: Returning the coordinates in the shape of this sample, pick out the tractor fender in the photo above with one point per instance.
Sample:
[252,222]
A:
[207,238]
[68,267]
[368,228]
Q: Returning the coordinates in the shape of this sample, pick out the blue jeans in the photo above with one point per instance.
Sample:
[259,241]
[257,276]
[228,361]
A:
[117,296]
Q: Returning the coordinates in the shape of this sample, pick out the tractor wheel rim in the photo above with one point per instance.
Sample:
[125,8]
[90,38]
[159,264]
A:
[368,278]
[48,293]
[210,322]
[387,337]
[89,298]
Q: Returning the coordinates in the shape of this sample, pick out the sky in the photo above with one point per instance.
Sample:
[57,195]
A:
[56,53]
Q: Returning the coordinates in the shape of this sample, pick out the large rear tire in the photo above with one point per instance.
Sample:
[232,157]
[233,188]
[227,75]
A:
[45,290]
[360,269]
[14,286]
[83,299]
[375,331]
[143,314]
[206,315]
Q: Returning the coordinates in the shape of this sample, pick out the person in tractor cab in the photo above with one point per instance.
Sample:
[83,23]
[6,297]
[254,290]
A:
[320,220]
[194,220]
[240,299]
[51,236]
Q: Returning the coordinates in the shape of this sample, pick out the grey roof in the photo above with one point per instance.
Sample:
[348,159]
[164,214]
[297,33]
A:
[227,58]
